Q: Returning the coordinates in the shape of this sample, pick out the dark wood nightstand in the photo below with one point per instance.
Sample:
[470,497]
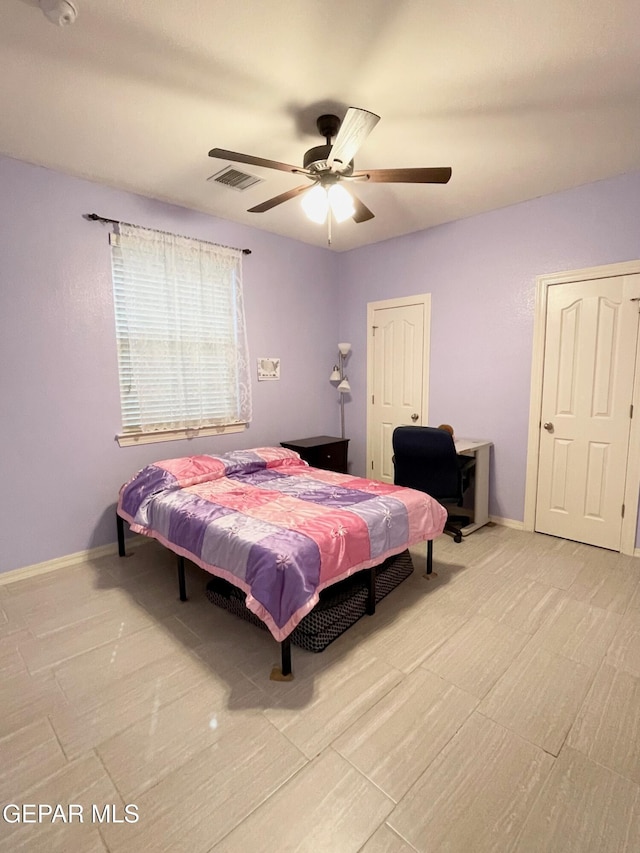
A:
[322,451]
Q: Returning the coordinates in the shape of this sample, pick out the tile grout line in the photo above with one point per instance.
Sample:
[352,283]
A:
[295,773]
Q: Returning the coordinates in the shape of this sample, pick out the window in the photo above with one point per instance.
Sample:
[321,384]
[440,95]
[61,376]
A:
[180,329]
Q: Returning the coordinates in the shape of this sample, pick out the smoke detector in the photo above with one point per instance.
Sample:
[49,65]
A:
[62,13]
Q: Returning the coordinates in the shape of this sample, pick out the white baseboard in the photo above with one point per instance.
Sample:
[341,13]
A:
[69,560]
[138,541]
[519,525]
[507,522]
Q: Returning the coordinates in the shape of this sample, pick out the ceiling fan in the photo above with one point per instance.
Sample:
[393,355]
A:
[330,165]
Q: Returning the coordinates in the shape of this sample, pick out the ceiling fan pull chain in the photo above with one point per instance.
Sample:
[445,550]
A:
[329,227]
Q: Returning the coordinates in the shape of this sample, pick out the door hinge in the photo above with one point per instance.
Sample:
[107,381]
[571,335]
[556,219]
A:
[373,399]
[623,510]
[374,330]
[372,464]
[631,410]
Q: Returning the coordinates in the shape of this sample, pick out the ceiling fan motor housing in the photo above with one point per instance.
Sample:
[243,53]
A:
[315,158]
[315,155]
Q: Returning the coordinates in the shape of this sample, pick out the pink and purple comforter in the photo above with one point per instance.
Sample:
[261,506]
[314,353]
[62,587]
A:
[278,529]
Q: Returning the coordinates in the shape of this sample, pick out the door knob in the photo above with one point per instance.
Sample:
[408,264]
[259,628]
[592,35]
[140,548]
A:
[414,417]
[548,426]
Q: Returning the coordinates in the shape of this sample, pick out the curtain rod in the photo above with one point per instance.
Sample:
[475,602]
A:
[95,218]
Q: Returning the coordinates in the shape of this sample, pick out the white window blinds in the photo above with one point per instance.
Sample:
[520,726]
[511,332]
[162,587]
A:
[180,328]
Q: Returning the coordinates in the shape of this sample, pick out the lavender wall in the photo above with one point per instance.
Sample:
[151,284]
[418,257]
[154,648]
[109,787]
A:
[60,468]
[481,273]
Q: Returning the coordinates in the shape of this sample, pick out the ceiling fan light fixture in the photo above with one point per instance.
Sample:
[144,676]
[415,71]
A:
[317,201]
[315,204]
[341,203]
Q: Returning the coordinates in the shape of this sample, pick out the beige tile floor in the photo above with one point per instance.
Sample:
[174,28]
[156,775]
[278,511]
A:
[495,707]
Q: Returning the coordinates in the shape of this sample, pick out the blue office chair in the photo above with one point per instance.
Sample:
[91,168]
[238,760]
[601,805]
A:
[425,459]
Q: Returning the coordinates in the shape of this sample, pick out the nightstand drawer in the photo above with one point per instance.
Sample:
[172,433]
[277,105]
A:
[332,457]
[322,451]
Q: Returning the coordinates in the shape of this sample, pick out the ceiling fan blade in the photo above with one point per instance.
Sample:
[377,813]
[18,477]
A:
[356,126]
[362,213]
[436,175]
[235,157]
[278,199]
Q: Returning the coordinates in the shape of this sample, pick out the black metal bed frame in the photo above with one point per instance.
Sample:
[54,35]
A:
[285,645]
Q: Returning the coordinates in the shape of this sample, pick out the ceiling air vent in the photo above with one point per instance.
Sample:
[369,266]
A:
[235,179]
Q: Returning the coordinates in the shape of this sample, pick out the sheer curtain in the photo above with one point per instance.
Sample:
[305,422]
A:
[180,327]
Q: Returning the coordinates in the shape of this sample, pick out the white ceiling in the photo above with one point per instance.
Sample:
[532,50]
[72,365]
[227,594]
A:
[520,97]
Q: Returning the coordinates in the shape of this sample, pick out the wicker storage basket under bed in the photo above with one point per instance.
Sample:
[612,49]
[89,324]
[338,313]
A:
[340,605]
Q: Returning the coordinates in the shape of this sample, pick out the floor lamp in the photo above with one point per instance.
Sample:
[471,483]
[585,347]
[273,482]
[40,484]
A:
[338,375]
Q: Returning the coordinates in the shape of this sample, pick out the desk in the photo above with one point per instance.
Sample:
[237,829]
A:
[480,449]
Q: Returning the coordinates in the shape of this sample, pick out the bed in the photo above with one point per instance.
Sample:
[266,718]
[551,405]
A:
[282,532]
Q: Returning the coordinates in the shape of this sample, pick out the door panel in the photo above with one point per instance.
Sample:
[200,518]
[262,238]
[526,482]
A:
[385,443]
[560,467]
[568,358]
[591,335]
[398,379]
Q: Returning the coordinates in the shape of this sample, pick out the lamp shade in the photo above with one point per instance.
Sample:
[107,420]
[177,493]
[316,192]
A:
[335,376]
[344,348]
[315,204]
[317,201]
[341,202]
[344,386]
